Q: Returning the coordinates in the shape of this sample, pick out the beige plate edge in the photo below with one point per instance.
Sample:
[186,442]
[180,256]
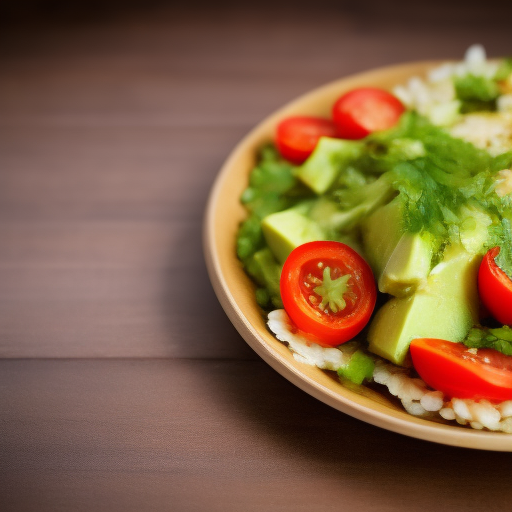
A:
[235,291]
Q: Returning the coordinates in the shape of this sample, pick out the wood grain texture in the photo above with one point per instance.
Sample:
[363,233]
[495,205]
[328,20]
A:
[112,129]
[197,435]
[101,252]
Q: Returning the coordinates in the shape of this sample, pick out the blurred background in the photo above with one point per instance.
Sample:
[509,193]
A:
[208,55]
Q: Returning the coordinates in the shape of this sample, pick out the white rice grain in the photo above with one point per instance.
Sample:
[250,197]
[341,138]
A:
[489,131]
[505,408]
[506,425]
[475,59]
[413,393]
[414,408]
[304,350]
[461,409]
[504,182]
[432,401]
[447,413]
[483,412]
[504,103]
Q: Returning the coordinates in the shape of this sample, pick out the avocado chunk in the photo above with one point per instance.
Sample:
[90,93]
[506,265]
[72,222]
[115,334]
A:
[446,307]
[286,230]
[408,266]
[359,368]
[381,232]
[400,261]
[329,157]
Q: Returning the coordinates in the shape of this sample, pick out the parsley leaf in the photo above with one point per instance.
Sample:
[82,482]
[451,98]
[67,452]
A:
[499,339]
[501,236]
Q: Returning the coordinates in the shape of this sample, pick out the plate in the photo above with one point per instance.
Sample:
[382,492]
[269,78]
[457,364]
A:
[235,290]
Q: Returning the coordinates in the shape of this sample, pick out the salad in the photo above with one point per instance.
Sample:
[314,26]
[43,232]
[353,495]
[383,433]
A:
[380,240]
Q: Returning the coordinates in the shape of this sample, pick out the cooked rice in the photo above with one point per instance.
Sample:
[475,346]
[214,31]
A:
[415,396]
[435,98]
[490,131]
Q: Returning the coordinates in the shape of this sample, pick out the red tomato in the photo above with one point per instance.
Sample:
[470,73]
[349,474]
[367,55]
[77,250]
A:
[328,291]
[363,111]
[495,288]
[297,137]
[458,373]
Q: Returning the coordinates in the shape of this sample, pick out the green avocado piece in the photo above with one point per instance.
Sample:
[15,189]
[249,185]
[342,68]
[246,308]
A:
[321,169]
[400,261]
[359,368]
[286,230]
[445,307]
[381,232]
[408,266]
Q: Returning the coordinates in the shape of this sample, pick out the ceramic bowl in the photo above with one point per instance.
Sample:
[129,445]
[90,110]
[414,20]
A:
[235,290]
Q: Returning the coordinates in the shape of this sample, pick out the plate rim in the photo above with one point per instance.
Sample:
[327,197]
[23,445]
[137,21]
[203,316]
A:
[406,425]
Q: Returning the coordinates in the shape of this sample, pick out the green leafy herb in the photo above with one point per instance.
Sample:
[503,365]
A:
[499,339]
[272,188]
[250,237]
[269,182]
[438,184]
[446,185]
[476,93]
[266,271]
[501,236]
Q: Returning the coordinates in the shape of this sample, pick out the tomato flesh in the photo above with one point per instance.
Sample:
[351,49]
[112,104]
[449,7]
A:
[459,372]
[363,111]
[328,291]
[495,288]
[297,137]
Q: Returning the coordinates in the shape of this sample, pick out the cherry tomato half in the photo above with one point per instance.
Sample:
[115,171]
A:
[328,291]
[495,288]
[297,137]
[451,368]
[362,111]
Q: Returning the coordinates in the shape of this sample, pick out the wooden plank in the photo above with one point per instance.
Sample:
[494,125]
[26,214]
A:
[221,68]
[101,249]
[224,436]
[110,289]
[116,173]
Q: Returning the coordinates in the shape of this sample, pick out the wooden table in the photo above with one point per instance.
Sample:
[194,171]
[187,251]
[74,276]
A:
[123,386]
